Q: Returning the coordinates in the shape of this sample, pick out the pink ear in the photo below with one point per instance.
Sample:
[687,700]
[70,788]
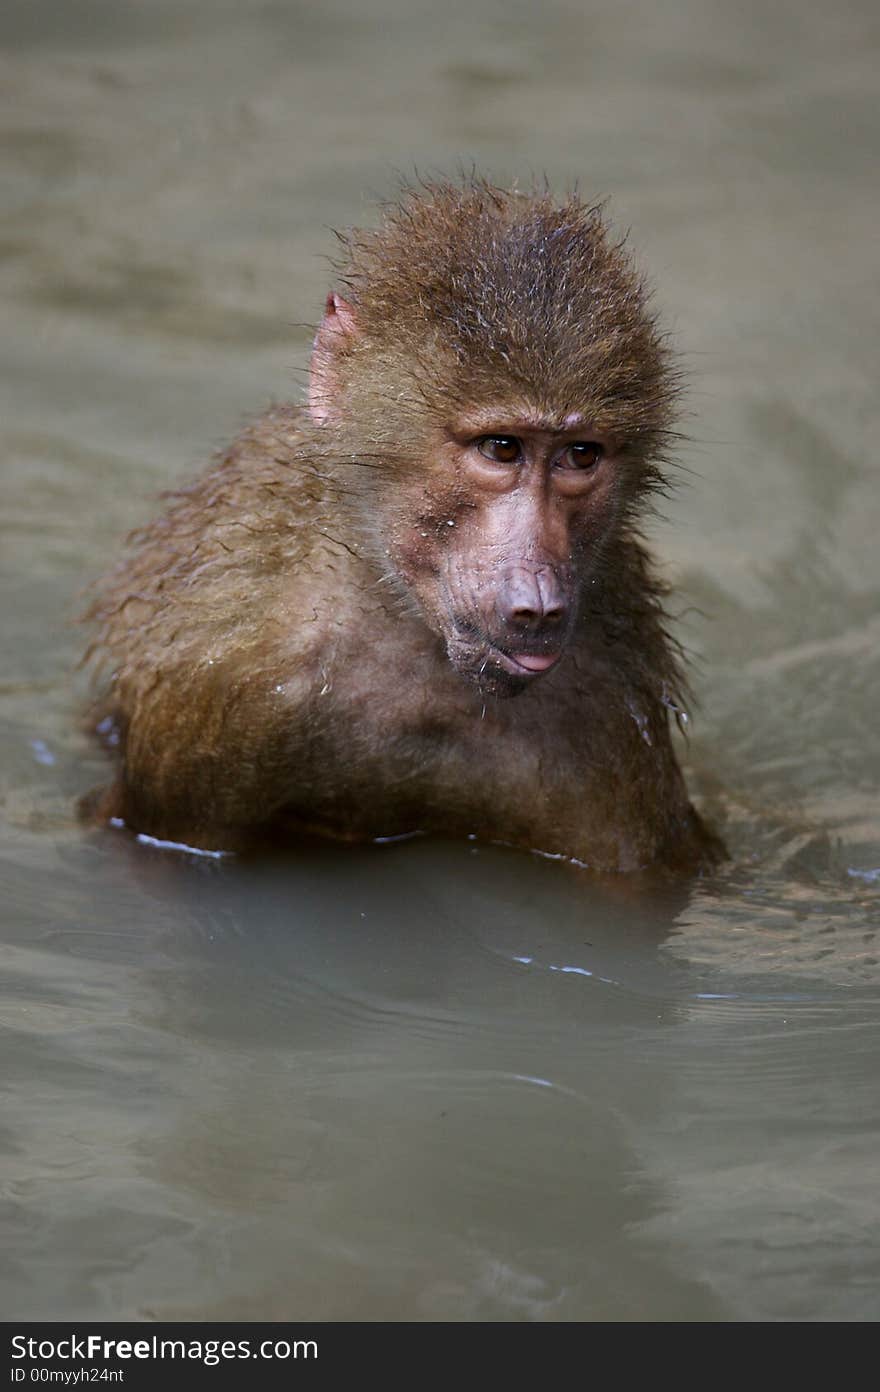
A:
[335,333]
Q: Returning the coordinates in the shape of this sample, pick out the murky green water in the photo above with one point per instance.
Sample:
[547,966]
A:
[440,1081]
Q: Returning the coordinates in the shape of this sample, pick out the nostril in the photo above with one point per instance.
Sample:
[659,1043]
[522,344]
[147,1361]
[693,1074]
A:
[532,615]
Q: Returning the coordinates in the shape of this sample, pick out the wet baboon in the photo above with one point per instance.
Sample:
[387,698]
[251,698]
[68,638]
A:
[420,601]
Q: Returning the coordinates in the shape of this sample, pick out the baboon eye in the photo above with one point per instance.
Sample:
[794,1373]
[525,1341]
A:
[502,449]
[583,455]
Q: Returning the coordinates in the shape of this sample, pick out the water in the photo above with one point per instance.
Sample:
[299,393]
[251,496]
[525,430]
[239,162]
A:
[443,1081]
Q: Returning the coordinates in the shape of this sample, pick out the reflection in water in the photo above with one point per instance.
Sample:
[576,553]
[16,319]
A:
[441,1081]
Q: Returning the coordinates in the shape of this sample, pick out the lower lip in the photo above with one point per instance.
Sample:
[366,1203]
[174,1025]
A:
[529,664]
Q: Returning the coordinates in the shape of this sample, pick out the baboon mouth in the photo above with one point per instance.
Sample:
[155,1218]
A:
[501,672]
[524,664]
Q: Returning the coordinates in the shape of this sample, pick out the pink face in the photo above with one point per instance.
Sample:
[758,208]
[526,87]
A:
[515,507]
[497,530]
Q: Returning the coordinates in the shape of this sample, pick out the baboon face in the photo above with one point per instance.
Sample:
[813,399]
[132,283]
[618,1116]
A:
[498,545]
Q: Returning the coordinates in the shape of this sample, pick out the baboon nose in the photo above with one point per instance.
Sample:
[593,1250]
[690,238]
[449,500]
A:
[531,600]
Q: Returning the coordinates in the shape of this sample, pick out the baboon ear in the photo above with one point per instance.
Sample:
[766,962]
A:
[335,335]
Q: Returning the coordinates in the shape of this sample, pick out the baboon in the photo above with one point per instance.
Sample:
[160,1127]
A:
[420,603]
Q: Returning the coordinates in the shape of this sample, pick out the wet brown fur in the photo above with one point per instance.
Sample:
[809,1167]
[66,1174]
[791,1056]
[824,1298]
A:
[265,661]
